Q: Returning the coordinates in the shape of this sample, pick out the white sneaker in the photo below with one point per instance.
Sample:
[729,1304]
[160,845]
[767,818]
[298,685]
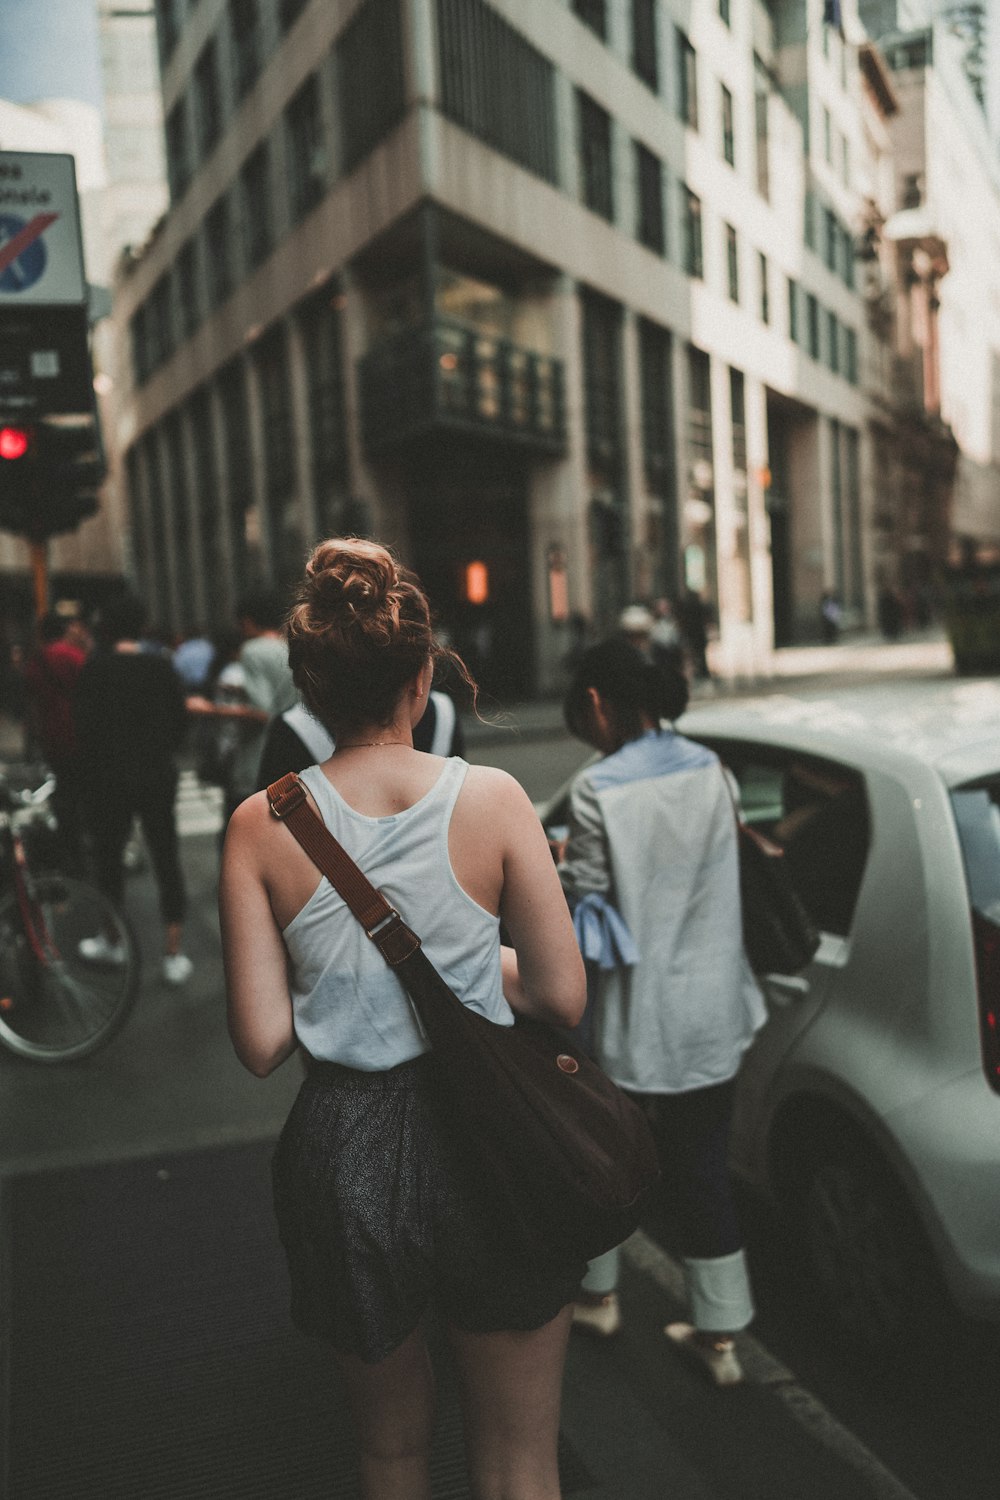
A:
[98,950]
[718,1358]
[177,968]
[603,1318]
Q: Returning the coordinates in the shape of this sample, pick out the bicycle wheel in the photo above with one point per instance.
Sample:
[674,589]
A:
[54,1004]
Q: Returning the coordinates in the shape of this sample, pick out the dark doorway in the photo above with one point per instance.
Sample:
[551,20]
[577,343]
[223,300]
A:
[469,540]
[779,506]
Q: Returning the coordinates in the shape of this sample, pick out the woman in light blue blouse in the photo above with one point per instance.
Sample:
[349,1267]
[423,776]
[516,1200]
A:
[652,845]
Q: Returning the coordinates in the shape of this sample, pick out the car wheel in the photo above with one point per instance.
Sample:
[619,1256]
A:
[873,1266]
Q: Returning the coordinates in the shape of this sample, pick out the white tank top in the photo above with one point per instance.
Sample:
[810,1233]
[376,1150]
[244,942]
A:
[349,1006]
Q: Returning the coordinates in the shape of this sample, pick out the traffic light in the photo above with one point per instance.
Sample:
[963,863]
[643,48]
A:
[50,475]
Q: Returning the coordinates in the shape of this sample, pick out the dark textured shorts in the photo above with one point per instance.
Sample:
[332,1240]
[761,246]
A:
[381,1218]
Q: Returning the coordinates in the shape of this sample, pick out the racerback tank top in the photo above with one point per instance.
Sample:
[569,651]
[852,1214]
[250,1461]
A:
[349,1006]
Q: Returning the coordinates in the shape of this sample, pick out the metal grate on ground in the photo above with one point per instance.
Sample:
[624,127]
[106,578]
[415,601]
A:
[151,1353]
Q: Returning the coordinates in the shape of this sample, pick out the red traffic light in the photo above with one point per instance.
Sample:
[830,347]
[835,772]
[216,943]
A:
[14,442]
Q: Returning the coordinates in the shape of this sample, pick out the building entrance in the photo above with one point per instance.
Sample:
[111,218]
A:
[469,544]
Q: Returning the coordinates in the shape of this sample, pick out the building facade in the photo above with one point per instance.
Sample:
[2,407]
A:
[560,299]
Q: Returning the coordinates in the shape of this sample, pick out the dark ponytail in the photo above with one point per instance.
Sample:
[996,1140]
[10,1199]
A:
[632,687]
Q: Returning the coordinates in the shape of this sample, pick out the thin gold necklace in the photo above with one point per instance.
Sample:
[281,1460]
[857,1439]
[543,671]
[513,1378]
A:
[372,744]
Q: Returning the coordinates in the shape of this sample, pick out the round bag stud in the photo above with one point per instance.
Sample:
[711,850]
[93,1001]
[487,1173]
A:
[567,1063]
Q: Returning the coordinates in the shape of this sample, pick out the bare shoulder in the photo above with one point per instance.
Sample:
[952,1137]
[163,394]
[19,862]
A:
[250,825]
[488,789]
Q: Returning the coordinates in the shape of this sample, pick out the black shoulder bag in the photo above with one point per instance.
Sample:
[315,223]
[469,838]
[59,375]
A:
[569,1155]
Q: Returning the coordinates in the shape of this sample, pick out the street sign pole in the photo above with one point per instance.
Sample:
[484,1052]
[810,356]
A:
[40,576]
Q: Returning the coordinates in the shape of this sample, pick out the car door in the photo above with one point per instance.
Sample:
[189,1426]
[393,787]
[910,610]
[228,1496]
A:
[817,811]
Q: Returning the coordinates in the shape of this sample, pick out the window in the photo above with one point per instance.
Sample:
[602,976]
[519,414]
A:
[324,365]
[168,26]
[245,43]
[699,405]
[738,418]
[187,288]
[656,388]
[827,136]
[817,811]
[244,517]
[649,218]
[207,102]
[602,332]
[833,342]
[763,287]
[139,336]
[218,251]
[289,12]
[694,263]
[593,13]
[831,242]
[687,80]
[848,259]
[728,138]
[178,149]
[256,205]
[851,355]
[793,310]
[809,207]
[724,14]
[370,88]
[812,325]
[306,157]
[594,126]
[732,263]
[845,160]
[208,510]
[482,62]
[761,108]
[218,258]
[161,322]
[644,55]
[284,532]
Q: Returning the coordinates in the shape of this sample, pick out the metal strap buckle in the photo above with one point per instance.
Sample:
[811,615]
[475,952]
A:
[286,802]
[383,924]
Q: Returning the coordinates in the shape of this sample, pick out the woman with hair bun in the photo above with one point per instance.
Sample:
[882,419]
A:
[652,843]
[378,1216]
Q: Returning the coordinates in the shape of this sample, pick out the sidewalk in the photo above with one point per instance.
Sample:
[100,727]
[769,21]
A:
[864,656]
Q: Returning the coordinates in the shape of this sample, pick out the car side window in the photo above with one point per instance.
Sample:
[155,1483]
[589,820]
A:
[818,812]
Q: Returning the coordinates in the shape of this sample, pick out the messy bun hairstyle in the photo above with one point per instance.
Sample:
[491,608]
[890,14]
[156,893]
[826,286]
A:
[359,630]
[630,686]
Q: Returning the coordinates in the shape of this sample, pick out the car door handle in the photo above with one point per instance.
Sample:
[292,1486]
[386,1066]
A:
[787,986]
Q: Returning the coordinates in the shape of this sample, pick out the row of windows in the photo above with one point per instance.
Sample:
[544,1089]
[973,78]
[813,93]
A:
[161,458]
[368,88]
[821,334]
[242,226]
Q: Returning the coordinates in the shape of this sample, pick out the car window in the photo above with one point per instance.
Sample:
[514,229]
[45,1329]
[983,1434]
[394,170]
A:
[977,817]
[817,811]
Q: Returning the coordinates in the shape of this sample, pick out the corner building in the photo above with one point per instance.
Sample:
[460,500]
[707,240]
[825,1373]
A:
[557,298]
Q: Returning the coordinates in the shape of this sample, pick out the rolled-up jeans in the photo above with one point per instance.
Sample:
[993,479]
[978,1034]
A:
[692,1130]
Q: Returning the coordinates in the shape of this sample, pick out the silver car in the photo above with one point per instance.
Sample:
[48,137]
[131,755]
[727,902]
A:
[869,1105]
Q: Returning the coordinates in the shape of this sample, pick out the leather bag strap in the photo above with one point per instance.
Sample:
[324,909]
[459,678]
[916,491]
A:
[381,922]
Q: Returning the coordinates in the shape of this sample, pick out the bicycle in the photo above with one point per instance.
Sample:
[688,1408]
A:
[55,1004]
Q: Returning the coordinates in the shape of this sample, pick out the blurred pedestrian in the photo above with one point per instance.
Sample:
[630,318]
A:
[379,1213]
[830,616]
[130,720]
[693,617]
[652,843]
[636,624]
[665,645]
[193,661]
[296,738]
[51,676]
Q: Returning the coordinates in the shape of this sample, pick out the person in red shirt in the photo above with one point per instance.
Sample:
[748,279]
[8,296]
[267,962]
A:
[51,676]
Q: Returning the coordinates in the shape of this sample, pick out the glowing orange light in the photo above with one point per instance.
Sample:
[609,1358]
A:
[6,1003]
[448,361]
[14,442]
[477,582]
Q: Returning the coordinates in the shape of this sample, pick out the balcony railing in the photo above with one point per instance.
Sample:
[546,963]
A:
[448,377]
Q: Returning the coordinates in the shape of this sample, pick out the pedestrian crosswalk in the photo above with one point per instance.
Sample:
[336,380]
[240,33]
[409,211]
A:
[199,806]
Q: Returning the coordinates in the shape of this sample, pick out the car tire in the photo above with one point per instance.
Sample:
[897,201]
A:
[869,1255]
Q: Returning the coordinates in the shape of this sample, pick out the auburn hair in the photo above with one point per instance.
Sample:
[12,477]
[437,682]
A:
[359,630]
